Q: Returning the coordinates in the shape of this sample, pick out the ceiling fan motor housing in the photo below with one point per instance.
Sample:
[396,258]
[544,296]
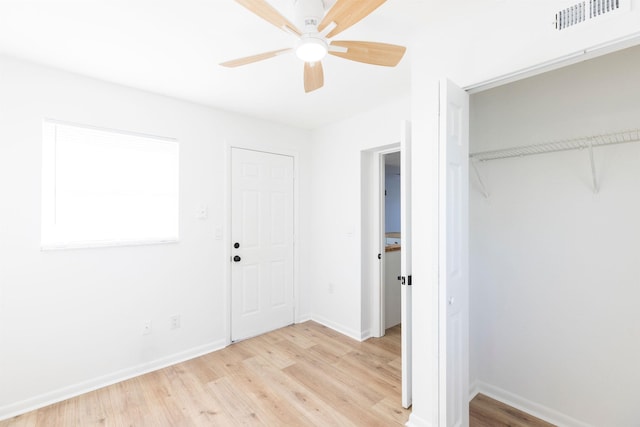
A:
[308,14]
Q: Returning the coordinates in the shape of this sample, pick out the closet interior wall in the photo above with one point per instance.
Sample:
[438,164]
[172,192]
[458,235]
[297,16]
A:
[554,266]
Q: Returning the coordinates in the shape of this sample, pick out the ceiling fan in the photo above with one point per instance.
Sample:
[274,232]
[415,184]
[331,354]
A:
[317,28]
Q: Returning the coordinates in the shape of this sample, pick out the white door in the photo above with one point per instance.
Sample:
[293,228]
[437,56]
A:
[453,255]
[262,242]
[405,259]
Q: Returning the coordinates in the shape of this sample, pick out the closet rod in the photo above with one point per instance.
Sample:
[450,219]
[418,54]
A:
[581,143]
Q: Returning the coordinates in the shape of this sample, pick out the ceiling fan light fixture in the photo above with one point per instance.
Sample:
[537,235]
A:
[312,49]
[314,28]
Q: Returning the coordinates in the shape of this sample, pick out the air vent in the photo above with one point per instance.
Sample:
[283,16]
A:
[587,10]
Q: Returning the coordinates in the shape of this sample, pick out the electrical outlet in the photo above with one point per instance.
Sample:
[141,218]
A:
[202,212]
[174,321]
[146,327]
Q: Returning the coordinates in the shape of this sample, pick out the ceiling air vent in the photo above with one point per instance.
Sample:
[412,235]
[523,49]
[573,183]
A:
[587,10]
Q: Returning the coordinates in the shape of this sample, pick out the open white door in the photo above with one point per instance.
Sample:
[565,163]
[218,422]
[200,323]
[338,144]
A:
[405,259]
[453,256]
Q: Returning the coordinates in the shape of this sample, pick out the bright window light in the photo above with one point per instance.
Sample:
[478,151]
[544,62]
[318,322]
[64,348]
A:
[107,188]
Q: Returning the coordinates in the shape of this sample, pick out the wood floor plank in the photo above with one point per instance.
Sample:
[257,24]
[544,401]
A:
[396,364]
[200,406]
[160,401]
[271,404]
[379,381]
[200,367]
[235,403]
[377,366]
[336,395]
[262,346]
[487,412]
[300,397]
[391,407]
[293,333]
[319,335]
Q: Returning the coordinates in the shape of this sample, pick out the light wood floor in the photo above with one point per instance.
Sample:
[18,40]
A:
[301,375]
[487,412]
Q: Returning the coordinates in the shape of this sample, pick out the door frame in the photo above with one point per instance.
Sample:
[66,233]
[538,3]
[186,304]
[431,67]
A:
[226,240]
[447,237]
[374,215]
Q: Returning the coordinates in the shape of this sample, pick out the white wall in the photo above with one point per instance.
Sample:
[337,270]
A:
[514,36]
[554,267]
[71,320]
[341,298]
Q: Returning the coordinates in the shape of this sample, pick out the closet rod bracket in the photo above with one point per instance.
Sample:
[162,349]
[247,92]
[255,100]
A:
[594,177]
[476,169]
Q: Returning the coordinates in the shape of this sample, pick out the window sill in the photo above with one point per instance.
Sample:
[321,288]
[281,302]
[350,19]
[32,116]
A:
[110,244]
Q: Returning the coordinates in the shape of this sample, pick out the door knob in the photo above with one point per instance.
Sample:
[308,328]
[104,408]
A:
[236,258]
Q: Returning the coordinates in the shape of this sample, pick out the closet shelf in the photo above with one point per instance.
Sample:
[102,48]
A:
[587,142]
[560,145]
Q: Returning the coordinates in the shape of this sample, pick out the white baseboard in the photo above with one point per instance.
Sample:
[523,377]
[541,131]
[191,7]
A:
[351,333]
[42,400]
[303,318]
[547,414]
[473,390]
[415,421]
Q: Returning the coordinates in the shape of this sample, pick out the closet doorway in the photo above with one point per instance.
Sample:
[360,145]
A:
[391,278]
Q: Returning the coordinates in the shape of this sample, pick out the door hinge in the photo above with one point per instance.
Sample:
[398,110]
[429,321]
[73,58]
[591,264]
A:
[379,256]
[405,280]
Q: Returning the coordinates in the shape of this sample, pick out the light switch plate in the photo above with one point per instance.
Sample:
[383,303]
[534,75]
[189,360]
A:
[218,233]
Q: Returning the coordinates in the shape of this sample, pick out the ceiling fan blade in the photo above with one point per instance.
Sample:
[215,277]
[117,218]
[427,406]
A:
[268,13]
[313,76]
[369,52]
[345,13]
[254,58]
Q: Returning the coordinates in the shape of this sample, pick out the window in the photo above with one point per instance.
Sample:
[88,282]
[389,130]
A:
[104,188]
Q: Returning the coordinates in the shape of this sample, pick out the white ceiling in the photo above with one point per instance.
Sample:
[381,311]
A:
[173,47]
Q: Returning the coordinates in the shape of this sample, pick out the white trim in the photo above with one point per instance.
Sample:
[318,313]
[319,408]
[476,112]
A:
[365,335]
[351,333]
[74,390]
[110,130]
[304,318]
[378,318]
[229,145]
[375,187]
[415,421]
[556,63]
[473,390]
[109,244]
[537,410]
